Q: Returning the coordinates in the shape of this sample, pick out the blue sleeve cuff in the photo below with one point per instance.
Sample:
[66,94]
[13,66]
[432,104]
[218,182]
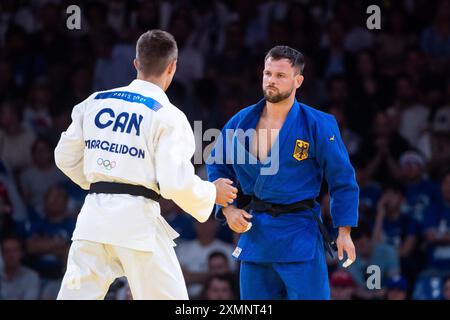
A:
[219,214]
[345,223]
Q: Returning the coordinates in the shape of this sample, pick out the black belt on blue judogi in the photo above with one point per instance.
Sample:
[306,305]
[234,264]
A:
[276,210]
[123,188]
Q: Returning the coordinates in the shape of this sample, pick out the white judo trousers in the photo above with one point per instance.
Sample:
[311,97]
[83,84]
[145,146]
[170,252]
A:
[129,135]
[93,266]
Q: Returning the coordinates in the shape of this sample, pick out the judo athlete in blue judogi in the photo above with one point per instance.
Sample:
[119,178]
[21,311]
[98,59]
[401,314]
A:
[278,151]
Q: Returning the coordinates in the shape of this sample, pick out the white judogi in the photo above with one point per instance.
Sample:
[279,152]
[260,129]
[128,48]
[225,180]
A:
[130,135]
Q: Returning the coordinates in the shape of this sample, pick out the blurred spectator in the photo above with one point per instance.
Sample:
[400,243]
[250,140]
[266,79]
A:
[395,227]
[357,35]
[367,86]
[416,67]
[369,192]
[232,65]
[15,139]
[313,90]
[96,21]
[25,63]
[14,13]
[6,209]
[80,85]
[147,16]
[190,63]
[36,179]
[301,27]
[447,289]
[371,253]
[419,190]
[211,19]
[440,141]
[410,116]
[397,288]
[17,282]
[50,42]
[383,150]
[118,12]
[218,263]
[334,58]
[206,103]
[48,239]
[393,41]
[338,93]
[392,226]
[435,40]
[114,65]
[342,286]
[437,232]
[37,113]
[50,289]
[8,88]
[218,287]
[428,287]
[193,254]
[256,17]
[10,197]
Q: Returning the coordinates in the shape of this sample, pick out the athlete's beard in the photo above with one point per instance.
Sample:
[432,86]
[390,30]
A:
[275,98]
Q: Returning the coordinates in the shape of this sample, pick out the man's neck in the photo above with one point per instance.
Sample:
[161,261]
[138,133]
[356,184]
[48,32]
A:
[159,81]
[279,110]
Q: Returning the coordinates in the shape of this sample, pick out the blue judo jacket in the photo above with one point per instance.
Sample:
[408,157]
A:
[307,149]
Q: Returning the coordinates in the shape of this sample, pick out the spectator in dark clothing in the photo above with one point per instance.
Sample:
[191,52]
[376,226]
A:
[48,239]
[420,191]
[394,226]
[17,282]
[383,150]
[437,231]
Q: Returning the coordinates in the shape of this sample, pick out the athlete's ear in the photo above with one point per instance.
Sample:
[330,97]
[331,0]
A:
[172,67]
[299,80]
[136,64]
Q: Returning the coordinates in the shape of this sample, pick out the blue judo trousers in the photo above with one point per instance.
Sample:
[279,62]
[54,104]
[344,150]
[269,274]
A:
[283,257]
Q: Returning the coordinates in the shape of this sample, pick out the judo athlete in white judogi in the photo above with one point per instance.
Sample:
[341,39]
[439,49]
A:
[127,146]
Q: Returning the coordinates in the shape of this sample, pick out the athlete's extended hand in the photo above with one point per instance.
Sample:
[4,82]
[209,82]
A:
[344,243]
[237,219]
[225,192]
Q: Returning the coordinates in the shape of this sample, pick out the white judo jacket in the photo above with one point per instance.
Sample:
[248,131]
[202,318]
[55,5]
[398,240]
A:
[132,135]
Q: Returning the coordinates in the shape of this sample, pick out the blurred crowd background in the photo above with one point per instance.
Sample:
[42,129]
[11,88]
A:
[389,90]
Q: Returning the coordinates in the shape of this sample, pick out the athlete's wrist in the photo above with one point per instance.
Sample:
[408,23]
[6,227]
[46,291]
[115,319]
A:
[226,210]
[345,230]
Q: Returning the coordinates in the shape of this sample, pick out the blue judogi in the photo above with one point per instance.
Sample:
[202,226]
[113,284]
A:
[283,257]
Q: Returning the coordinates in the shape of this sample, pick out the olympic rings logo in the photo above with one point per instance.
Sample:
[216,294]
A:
[108,165]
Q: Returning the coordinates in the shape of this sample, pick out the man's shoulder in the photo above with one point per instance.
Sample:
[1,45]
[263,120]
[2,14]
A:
[316,114]
[159,102]
[171,114]
[98,94]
